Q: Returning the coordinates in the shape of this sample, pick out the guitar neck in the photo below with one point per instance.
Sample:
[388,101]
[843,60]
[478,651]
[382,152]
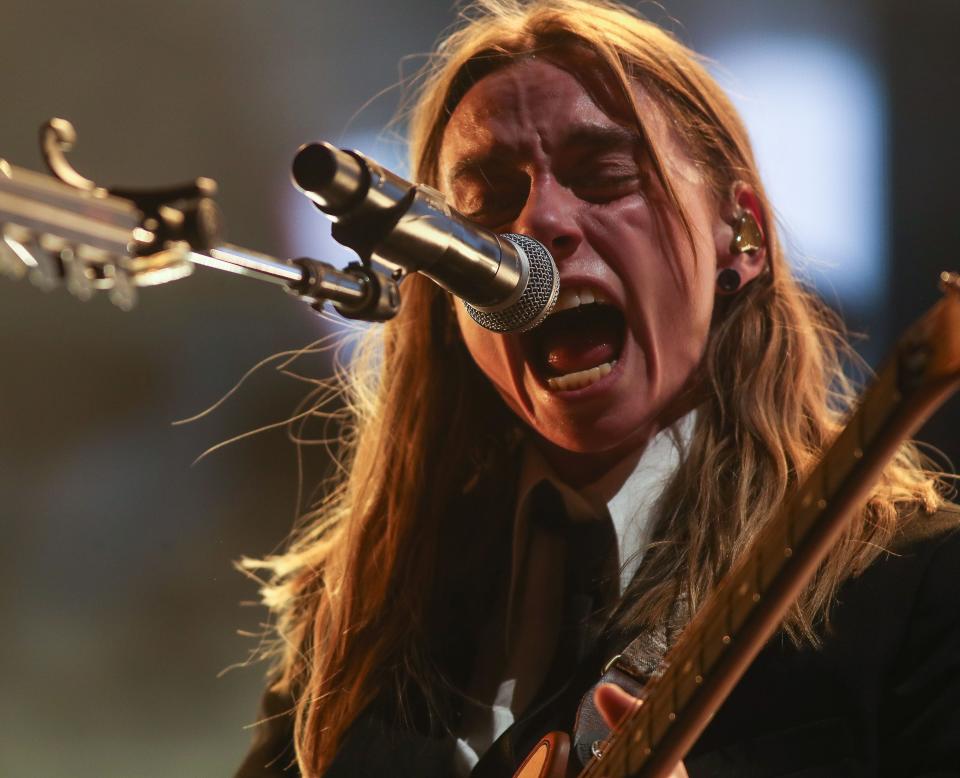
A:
[747,607]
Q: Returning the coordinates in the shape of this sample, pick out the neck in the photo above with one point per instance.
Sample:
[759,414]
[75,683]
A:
[580,468]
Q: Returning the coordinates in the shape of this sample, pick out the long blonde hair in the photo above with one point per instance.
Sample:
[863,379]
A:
[354,595]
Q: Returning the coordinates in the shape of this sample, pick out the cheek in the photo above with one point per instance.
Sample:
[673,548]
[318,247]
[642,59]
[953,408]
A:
[681,309]
[653,251]
[669,286]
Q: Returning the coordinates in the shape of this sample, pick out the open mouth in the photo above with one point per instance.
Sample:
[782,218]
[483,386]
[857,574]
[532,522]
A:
[579,343]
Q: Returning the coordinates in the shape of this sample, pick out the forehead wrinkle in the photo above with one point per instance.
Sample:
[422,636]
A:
[589,136]
[505,127]
[508,122]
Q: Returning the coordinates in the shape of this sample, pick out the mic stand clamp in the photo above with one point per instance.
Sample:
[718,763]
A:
[357,292]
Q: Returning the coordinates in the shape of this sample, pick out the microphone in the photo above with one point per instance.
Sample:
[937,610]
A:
[508,282]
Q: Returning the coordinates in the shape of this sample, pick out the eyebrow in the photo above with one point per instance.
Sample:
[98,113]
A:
[594,138]
[591,138]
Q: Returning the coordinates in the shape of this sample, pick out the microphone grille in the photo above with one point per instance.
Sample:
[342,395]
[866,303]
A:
[537,298]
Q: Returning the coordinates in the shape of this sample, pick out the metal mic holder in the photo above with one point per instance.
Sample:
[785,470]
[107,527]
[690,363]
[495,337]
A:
[356,291]
[170,229]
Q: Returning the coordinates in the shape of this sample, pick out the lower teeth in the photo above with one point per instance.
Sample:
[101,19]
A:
[581,378]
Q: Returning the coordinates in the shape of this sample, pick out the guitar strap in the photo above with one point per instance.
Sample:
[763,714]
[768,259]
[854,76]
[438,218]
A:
[638,662]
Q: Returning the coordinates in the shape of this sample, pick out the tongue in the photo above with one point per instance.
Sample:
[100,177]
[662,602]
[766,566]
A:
[580,349]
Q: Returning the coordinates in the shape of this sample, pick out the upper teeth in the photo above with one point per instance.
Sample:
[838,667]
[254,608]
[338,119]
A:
[573,297]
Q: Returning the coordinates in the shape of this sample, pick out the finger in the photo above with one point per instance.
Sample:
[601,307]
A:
[614,703]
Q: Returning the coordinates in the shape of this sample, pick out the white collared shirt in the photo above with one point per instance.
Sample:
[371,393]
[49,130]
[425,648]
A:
[511,676]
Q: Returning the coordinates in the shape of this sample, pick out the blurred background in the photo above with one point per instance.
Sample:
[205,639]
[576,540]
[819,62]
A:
[118,598]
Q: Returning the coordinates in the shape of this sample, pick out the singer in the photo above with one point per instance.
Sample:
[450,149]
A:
[516,509]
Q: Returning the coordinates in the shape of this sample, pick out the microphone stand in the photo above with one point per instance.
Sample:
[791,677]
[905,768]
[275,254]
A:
[89,237]
[357,291]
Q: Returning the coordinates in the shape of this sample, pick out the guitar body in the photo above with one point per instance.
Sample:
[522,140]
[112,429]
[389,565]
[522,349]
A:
[548,759]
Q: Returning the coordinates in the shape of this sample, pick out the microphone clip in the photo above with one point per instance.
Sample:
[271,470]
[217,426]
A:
[358,291]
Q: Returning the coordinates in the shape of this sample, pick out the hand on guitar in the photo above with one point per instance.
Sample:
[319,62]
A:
[614,703]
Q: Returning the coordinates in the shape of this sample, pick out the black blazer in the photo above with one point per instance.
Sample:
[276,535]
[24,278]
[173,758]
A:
[881,697]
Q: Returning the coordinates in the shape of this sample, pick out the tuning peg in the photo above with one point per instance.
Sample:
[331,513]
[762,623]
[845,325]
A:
[11,265]
[47,274]
[15,260]
[76,276]
[68,265]
[123,293]
[43,270]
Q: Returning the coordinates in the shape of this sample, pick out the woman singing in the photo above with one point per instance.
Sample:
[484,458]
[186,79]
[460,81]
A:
[515,509]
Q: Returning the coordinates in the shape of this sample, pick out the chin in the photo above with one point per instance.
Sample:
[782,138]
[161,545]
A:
[607,435]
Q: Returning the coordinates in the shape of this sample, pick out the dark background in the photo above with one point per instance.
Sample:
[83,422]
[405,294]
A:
[118,599]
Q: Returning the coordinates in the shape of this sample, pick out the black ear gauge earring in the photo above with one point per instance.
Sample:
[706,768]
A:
[728,281]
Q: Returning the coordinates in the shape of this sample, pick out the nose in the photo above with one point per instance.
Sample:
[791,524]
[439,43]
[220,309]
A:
[551,216]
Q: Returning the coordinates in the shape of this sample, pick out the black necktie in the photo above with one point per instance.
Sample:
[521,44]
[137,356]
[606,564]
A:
[590,585]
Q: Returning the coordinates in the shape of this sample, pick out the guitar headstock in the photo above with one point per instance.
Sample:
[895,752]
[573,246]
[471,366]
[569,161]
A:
[929,353]
[64,230]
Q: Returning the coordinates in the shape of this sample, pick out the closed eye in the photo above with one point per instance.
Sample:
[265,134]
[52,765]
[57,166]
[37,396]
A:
[492,202]
[603,187]
[604,177]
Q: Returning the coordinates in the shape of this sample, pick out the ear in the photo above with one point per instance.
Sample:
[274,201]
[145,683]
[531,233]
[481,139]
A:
[748,264]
